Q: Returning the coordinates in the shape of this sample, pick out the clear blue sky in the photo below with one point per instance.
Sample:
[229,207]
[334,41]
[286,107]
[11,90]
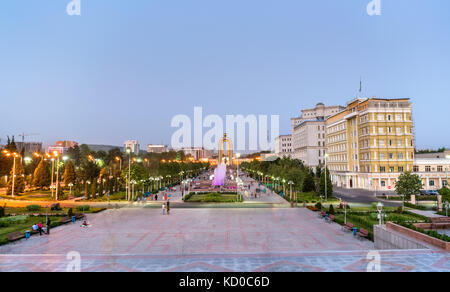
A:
[123,69]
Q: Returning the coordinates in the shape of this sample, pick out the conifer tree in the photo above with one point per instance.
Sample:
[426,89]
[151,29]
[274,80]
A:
[41,177]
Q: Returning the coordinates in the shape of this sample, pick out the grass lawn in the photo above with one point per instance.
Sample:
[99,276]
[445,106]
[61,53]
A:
[312,198]
[115,197]
[26,225]
[211,198]
[367,217]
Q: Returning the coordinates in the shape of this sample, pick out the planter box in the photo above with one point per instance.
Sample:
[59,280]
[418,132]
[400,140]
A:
[419,236]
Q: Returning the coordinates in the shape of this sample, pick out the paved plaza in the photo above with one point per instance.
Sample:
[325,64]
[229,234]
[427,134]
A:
[270,239]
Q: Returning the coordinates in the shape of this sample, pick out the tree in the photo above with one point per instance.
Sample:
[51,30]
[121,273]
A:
[19,180]
[408,184]
[69,173]
[41,177]
[308,183]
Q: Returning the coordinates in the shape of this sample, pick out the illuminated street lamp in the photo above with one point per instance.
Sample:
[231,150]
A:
[14,155]
[70,186]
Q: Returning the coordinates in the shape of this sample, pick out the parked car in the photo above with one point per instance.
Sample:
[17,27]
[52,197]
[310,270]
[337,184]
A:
[429,193]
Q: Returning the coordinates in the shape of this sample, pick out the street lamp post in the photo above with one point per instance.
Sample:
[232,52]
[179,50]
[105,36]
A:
[380,210]
[290,183]
[14,155]
[326,178]
[70,186]
[129,174]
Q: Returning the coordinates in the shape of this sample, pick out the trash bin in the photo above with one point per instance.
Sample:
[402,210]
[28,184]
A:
[355,229]
[326,217]
[73,219]
[27,234]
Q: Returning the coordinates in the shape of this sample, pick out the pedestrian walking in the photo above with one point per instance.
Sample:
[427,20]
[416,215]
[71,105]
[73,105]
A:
[164,209]
[168,207]
[156,197]
[48,223]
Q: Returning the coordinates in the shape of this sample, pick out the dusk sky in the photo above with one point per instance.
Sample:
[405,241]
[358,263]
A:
[123,69]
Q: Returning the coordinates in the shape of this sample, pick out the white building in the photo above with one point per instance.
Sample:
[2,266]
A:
[433,171]
[133,145]
[198,153]
[283,146]
[152,148]
[309,134]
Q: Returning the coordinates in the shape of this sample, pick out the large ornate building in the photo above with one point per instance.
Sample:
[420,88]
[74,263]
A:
[370,143]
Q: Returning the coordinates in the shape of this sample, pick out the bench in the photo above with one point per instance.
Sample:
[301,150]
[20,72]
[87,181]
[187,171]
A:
[322,214]
[362,233]
[330,218]
[66,220]
[16,236]
[348,226]
[79,216]
[440,220]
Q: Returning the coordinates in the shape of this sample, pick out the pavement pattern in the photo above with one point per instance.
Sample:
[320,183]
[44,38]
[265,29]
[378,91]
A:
[271,239]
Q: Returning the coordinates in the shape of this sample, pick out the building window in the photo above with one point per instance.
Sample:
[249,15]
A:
[391,169]
[382,169]
[400,169]
[400,156]
[415,168]
[445,183]
[431,183]
[439,168]
[391,155]
[383,183]
[428,168]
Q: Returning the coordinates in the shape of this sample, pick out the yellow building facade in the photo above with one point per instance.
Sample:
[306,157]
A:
[370,143]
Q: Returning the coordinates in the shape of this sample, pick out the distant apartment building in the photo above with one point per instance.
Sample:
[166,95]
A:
[370,143]
[62,146]
[30,147]
[433,171]
[198,153]
[283,146]
[309,134]
[152,148]
[133,145]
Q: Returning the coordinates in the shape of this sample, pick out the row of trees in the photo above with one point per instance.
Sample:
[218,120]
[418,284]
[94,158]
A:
[95,173]
[304,178]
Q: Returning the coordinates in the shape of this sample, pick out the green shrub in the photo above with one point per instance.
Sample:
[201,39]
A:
[2,211]
[418,207]
[56,207]
[83,208]
[70,212]
[33,208]
[399,210]
[331,210]
[14,220]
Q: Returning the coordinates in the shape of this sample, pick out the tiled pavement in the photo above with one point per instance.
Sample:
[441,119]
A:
[208,240]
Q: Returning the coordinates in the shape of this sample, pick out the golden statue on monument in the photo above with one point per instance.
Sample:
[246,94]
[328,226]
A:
[227,158]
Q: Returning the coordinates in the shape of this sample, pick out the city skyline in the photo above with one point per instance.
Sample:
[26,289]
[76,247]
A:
[134,76]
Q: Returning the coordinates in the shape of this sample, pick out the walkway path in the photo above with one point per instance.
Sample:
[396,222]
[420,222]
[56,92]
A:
[268,197]
[209,240]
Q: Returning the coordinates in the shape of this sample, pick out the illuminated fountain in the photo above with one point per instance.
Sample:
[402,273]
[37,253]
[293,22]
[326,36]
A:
[220,174]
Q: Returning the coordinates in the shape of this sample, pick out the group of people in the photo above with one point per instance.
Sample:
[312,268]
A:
[39,227]
[166,208]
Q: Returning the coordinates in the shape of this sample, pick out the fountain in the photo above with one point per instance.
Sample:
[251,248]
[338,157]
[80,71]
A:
[219,175]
